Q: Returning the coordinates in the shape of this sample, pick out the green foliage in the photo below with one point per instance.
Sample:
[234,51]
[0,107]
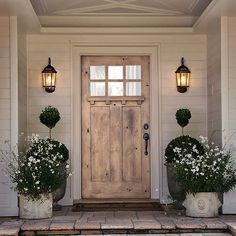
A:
[212,171]
[184,143]
[183,116]
[61,148]
[49,116]
[40,169]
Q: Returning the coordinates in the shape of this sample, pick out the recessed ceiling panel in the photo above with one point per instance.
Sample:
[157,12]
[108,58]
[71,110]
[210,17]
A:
[158,7]
[176,10]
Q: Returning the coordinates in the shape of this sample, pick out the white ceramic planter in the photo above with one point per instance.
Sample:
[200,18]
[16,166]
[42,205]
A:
[202,204]
[38,209]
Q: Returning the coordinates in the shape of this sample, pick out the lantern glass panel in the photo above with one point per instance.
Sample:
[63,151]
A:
[182,79]
[49,79]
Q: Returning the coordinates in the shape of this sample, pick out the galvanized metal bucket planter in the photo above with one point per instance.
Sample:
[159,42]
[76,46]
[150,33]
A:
[205,204]
[36,209]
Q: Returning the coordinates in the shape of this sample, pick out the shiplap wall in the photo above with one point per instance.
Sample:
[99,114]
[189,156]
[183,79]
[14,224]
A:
[172,48]
[8,201]
[22,84]
[230,198]
[214,82]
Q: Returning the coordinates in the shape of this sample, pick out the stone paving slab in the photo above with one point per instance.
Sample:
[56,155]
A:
[18,223]
[189,223]
[66,218]
[87,225]
[97,219]
[117,224]
[166,222]
[36,225]
[122,222]
[214,223]
[232,228]
[62,225]
[9,230]
[146,225]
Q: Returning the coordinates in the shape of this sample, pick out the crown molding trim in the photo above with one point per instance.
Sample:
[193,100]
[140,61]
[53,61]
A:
[118,30]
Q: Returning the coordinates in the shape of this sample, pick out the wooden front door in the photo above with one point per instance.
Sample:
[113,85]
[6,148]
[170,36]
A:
[115,109]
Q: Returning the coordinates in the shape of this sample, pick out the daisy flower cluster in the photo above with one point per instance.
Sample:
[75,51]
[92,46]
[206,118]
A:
[210,171]
[40,169]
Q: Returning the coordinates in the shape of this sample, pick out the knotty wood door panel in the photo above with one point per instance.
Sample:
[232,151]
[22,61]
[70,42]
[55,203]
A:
[113,160]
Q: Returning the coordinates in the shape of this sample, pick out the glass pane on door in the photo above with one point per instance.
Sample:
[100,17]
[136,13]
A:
[97,89]
[133,72]
[133,89]
[115,72]
[115,89]
[97,72]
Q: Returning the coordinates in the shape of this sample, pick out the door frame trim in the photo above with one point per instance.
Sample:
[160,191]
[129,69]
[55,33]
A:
[76,133]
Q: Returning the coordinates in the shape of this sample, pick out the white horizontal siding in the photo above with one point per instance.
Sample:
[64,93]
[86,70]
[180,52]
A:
[214,82]
[172,48]
[8,202]
[229,198]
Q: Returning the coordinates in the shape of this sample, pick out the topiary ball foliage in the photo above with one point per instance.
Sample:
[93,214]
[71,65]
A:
[49,116]
[183,142]
[182,116]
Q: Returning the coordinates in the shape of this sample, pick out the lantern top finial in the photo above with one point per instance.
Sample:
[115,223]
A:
[182,68]
[49,68]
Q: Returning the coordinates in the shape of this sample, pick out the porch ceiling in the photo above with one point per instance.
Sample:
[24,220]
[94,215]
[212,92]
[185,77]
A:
[108,13]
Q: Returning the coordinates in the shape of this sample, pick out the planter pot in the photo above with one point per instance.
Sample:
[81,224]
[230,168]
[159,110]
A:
[205,204]
[36,209]
[175,189]
[58,195]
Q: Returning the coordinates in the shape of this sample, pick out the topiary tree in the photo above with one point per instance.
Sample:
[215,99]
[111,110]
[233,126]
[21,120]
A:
[49,117]
[182,142]
[183,116]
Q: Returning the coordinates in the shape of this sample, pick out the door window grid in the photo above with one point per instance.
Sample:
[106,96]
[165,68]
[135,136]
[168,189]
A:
[115,80]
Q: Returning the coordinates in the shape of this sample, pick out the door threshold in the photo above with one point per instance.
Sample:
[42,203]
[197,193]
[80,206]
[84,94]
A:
[116,200]
[117,205]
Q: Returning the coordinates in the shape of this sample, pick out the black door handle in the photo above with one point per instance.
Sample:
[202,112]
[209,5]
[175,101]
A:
[146,137]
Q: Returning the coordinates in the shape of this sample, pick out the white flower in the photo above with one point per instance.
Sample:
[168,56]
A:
[67,166]
[37,182]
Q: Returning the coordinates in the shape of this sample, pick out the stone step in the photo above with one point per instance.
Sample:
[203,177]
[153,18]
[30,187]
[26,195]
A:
[117,223]
[116,204]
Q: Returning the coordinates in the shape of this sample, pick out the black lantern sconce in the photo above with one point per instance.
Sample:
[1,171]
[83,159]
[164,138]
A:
[182,77]
[49,77]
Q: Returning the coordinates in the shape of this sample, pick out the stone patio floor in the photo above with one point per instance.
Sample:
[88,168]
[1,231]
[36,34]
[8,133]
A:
[163,223]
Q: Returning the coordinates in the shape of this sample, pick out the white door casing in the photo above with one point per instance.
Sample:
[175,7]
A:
[77,53]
